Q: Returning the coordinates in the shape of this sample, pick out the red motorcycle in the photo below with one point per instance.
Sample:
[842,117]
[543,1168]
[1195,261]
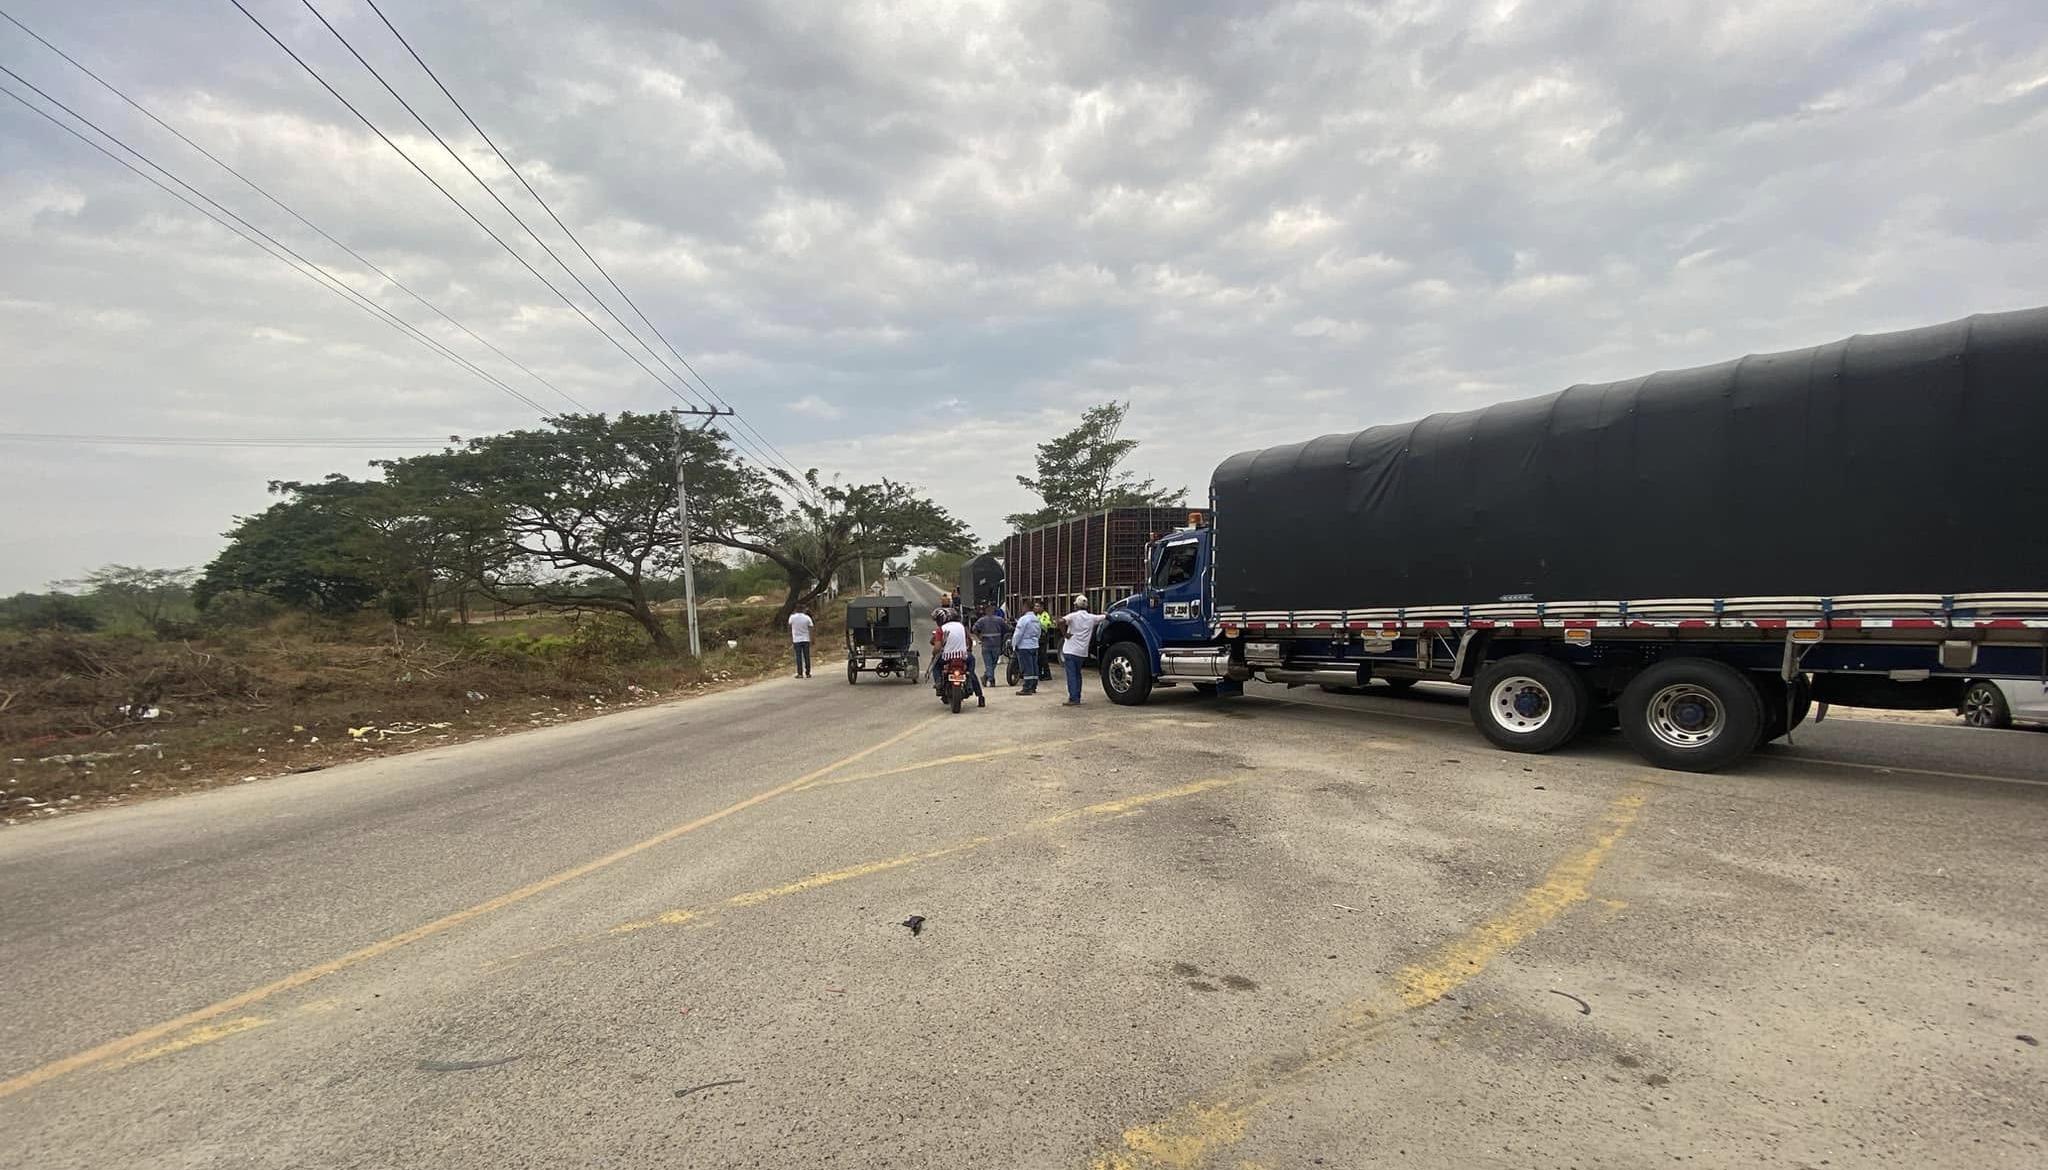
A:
[952,685]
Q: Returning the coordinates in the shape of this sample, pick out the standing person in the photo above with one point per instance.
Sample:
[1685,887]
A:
[1025,642]
[990,628]
[800,641]
[952,647]
[1045,627]
[1080,629]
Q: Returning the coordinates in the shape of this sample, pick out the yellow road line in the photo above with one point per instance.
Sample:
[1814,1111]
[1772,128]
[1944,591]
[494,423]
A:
[968,758]
[135,1040]
[1567,884]
[816,881]
[195,1038]
[1188,1136]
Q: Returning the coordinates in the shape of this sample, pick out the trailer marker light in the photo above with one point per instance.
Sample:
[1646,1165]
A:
[1806,637]
[1578,637]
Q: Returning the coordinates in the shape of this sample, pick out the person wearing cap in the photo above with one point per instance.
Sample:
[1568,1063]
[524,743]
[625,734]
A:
[1079,628]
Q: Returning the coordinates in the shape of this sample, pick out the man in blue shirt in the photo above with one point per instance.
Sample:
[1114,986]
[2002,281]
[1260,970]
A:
[1025,642]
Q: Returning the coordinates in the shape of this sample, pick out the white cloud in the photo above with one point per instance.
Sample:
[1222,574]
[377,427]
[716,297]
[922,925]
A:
[812,406]
[976,220]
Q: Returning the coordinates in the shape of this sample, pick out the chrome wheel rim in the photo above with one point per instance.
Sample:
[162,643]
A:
[1520,704]
[1686,716]
[1119,674]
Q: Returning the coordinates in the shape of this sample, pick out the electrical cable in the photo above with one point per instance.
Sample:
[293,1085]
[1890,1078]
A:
[460,206]
[317,275]
[594,263]
[286,208]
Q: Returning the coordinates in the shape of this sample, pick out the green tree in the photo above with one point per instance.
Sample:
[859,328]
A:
[48,611]
[1082,472]
[582,515]
[942,565]
[304,551]
[831,527]
[151,596]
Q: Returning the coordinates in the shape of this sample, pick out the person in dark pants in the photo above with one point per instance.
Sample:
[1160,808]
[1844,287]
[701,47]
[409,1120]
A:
[800,641]
[1080,637]
[1025,641]
[990,627]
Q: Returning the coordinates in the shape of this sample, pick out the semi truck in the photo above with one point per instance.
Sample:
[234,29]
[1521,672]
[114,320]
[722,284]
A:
[1695,557]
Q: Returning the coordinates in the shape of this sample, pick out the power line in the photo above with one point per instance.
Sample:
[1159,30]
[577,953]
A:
[287,209]
[739,440]
[594,263]
[315,74]
[460,206]
[317,275]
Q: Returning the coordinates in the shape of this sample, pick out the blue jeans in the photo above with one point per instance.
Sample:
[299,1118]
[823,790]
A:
[1073,664]
[1027,669]
[989,654]
[803,658]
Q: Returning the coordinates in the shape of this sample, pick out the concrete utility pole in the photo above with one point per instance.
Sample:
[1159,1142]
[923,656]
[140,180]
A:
[683,513]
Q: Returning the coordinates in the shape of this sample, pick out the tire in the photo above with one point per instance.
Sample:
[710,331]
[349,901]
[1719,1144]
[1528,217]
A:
[1010,673]
[1780,717]
[1399,685]
[852,673]
[1691,714]
[1984,705]
[955,696]
[1529,703]
[1127,674]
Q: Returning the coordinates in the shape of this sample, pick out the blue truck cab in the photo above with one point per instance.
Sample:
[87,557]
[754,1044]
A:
[1165,634]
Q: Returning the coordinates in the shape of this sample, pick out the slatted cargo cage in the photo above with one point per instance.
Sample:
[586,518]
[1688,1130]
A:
[1101,555]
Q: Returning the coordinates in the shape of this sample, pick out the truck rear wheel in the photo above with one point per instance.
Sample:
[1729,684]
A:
[1691,714]
[1785,706]
[1529,703]
[1127,674]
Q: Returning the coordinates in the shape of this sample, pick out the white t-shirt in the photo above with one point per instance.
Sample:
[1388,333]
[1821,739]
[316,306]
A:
[1080,632]
[956,641]
[799,627]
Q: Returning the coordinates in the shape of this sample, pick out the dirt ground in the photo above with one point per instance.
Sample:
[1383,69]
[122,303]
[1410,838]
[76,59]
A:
[92,721]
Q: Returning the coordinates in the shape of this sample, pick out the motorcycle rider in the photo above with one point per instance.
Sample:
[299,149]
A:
[952,644]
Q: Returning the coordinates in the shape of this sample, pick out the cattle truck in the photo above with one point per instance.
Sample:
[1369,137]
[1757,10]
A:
[1100,555]
[1697,556]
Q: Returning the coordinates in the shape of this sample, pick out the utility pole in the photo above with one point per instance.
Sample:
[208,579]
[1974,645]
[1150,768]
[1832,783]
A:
[708,414]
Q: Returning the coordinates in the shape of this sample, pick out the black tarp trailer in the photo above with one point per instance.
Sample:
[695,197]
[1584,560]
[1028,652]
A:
[1864,517]
[981,583]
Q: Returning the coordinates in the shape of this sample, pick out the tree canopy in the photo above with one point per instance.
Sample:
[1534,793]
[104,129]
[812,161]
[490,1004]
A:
[1082,471]
[578,514]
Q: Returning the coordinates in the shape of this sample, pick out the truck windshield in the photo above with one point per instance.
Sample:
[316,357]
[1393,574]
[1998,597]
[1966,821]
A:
[1176,564]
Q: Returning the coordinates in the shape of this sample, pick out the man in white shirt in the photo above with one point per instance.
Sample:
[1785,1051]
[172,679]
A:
[953,645]
[800,640]
[1080,638]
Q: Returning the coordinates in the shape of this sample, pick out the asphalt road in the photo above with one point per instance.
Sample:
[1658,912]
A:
[1292,930]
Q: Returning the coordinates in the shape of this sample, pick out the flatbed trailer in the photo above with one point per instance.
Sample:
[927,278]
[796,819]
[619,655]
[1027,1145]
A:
[1696,557]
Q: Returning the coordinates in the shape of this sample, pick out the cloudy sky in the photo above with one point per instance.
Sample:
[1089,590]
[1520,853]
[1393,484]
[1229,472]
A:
[914,238]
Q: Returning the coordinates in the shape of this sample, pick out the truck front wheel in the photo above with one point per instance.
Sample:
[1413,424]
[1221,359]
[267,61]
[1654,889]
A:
[1127,674]
[1691,714]
[1529,703]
